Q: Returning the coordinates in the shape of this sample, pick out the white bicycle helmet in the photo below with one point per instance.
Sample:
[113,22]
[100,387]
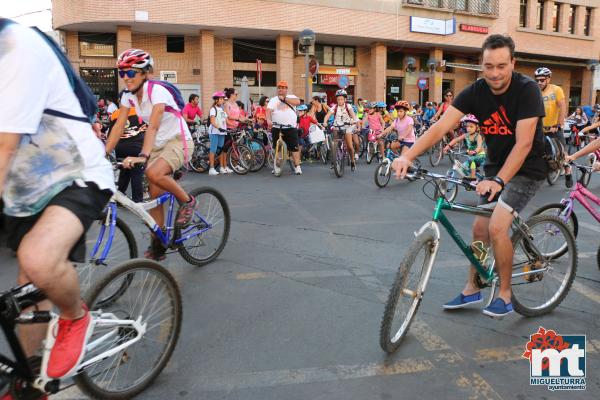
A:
[543,71]
[341,92]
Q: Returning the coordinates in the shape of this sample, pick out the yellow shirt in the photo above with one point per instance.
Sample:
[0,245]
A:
[551,96]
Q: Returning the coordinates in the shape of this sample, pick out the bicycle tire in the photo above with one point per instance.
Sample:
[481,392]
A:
[184,250]
[87,380]
[436,154]
[338,159]
[86,271]
[552,177]
[585,178]
[556,209]
[259,155]
[558,297]
[280,157]
[370,152]
[236,159]
[389,337]
[323,152]
[381,180]
[450,190]
[199,159]
[598,257]
[361,145]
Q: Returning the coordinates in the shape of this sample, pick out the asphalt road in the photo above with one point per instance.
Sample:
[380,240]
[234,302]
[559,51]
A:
[292,307]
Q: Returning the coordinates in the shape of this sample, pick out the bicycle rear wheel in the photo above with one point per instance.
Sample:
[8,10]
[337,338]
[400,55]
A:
[436,153]
[407,291]
[199,160]
[538,293]
[209,230]
[121,247]
[154,298]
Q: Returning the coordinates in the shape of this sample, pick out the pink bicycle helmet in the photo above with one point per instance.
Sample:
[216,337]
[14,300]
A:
[216,95]
[469,118]
[135,58]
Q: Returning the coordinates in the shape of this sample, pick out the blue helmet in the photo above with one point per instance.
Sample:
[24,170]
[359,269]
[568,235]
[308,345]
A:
[381,104]
[302,107]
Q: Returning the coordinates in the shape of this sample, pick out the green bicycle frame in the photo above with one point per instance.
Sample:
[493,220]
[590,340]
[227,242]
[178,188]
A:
[438,215]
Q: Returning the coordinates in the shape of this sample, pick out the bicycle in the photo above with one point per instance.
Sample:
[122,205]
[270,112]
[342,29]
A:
[199,243]
[372,147]
[281,151]
[131,342]
[564,210]
[339,153]
[383,172]
[555,155]
[239,156]
[199,159]
[457,171]
[531,267]
[436,152]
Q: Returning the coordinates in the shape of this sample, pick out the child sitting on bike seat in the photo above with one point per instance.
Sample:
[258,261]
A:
[473,143]
[404,126]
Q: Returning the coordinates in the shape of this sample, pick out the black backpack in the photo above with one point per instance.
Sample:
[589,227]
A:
[82,91]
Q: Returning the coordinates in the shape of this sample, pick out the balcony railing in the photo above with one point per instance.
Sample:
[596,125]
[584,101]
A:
[478,7]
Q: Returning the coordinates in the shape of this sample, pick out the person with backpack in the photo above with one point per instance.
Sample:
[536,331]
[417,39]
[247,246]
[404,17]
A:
[216,132]
[167,141]
[54,183]
[344,114]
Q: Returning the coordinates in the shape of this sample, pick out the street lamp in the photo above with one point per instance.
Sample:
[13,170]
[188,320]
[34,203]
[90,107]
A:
[306,39]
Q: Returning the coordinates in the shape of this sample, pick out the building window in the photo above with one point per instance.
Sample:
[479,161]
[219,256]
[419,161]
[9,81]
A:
[572,13]
[97,44]
[175,44]
[540,15]
[588,20]
[555,17]
[461,5]
[335,55]
[268,78]
[523,14]
[251,50]
[102,81]
[395,58]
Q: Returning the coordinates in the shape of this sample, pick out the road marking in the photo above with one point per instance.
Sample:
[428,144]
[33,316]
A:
[514,353]
[586,291]
[429,340]
[479,388]
[590,226]
[274,378]
[328,273]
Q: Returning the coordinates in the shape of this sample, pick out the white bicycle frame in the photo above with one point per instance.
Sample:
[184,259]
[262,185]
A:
[99,319]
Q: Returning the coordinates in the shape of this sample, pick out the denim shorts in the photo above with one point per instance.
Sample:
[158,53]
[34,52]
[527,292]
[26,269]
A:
[516,194]
[216,142]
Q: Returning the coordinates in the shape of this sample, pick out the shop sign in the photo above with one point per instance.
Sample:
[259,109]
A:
[433,26]
[332,79]
[474,28]
[337,70]
[395,89]
[169,76]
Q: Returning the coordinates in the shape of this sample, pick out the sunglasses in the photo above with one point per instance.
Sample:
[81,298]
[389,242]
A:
[130,73]
[282,87]
[541,80]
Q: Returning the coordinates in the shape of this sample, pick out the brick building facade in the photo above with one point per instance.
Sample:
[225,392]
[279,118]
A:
[210,45]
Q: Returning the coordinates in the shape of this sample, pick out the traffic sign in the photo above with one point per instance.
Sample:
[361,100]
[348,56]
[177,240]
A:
[423,83]
[313,67]
[343,81]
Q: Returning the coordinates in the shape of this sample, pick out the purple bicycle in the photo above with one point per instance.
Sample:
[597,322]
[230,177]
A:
[565,211]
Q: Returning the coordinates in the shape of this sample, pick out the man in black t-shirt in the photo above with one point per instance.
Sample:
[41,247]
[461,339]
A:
[509,106]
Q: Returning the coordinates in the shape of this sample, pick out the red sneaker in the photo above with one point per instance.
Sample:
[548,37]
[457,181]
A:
[69,346]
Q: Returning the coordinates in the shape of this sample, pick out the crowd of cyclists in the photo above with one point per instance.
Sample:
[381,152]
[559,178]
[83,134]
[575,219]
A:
[153,127]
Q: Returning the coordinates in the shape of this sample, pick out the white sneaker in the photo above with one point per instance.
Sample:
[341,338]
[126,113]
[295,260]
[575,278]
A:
[355,156]
[298,170]
[228,170]
[276,171]
[213,172]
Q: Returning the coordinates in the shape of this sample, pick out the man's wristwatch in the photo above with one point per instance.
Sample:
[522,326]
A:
[498,180]
[144,155]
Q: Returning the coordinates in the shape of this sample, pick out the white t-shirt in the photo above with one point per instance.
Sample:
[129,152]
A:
[171,125]
[221,120]
[112,107]
[282,114]
[53,152]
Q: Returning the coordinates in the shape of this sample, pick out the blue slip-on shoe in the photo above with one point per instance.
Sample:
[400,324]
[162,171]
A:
[498,309]
[461,301]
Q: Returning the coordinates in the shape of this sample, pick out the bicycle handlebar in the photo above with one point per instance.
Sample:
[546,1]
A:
[282,126]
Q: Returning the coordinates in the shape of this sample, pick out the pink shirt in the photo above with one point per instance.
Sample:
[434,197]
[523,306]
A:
[233,111]
[191,111]
[375,122]
[405,130]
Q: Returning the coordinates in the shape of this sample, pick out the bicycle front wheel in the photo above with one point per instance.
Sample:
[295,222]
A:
[323,152]
[259,155]
[407,291]
[436,153]
[370,152]
[552,176]
[207,234]
[280,157]
[154,298]
[238,159]
[537,293]
[382,175]
[338,159]
[559,210]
